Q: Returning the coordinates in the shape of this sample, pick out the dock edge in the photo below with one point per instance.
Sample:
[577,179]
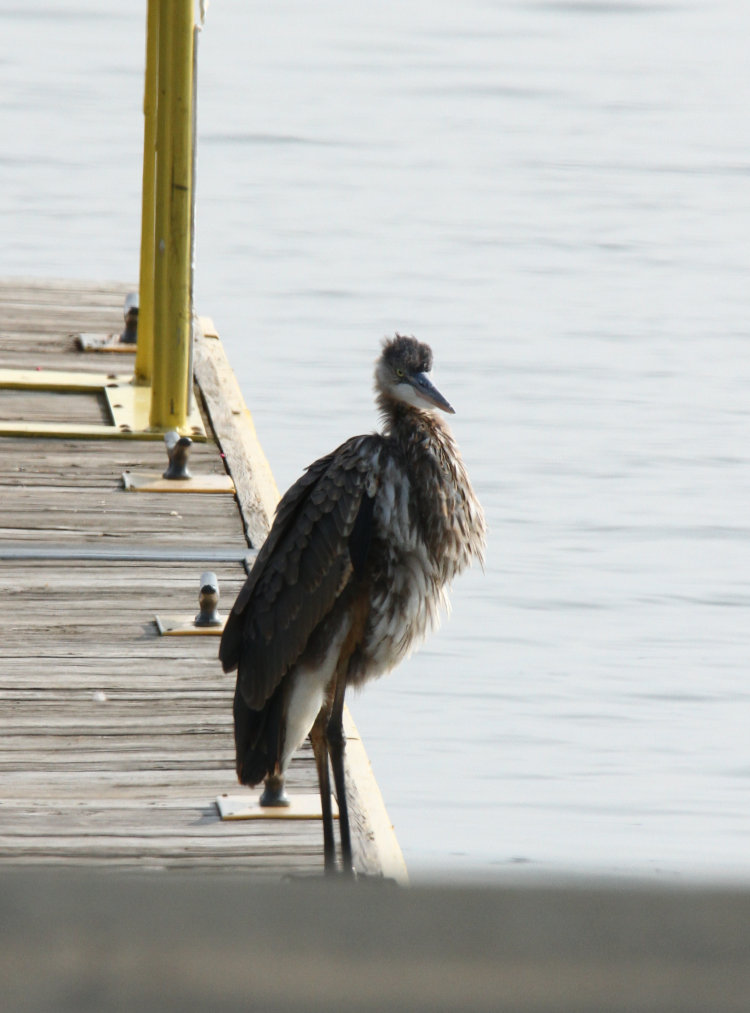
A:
[376,849]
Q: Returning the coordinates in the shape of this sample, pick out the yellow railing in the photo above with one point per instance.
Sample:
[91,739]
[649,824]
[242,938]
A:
[165,324]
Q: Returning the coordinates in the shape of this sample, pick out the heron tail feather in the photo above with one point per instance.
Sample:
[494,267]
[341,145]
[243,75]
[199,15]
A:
[257,738]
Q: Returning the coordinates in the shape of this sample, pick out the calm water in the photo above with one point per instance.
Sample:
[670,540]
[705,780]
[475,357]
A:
[556,196]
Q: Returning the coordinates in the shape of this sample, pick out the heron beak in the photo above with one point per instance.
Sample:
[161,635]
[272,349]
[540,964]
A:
[429,392]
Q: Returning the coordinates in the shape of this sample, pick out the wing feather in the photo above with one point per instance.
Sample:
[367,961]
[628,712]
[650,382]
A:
[319,531]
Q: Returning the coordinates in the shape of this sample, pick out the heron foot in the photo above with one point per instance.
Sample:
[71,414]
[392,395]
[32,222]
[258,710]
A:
[273,793]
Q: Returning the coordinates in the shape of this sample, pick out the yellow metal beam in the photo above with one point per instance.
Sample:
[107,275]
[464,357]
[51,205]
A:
[58,379]
[129,405]
[183,625]
[71,431]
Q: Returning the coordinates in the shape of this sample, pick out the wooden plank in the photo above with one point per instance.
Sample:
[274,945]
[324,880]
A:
[257,494]
[157,784]
[376,849]
[50,406]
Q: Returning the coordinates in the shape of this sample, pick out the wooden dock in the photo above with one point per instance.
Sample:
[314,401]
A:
[115,741]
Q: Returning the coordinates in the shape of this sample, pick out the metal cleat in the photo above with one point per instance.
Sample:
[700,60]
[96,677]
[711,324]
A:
[208,599]
[130,335]
[178,451]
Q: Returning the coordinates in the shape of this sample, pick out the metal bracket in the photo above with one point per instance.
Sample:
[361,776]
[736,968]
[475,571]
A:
[248,807]
[129,406]
[92,342]
[154,481]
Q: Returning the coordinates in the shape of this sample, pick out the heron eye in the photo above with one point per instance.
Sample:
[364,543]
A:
[399,372]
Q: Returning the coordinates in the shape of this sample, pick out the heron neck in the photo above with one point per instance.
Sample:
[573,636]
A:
[413,428]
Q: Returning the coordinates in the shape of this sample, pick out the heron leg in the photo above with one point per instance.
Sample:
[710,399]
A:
[336,747]
[320,751]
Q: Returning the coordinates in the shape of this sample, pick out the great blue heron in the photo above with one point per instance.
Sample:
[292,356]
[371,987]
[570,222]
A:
[351,576]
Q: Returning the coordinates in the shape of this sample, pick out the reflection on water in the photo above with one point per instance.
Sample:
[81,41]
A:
[554,195]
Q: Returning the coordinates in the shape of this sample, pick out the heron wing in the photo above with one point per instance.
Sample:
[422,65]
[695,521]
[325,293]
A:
[320,536]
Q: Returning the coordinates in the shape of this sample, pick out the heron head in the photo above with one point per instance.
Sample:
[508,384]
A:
[401,374]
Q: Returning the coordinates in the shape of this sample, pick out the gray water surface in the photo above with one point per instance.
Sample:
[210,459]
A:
[556,196]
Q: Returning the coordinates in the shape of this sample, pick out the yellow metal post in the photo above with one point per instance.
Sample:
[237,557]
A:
[159,398]
[161,188]
[171,380]
[145,349]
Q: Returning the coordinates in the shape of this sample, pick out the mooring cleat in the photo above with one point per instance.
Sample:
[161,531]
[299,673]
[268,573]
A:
[130,335]
[178,450]
[208,600]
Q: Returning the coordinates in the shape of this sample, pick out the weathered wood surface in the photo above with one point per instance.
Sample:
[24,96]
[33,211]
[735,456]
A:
[114,741]
[50,406]
[256,489]
[39,318]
